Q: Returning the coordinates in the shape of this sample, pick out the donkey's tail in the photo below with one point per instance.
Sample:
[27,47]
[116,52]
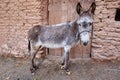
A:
[29,46]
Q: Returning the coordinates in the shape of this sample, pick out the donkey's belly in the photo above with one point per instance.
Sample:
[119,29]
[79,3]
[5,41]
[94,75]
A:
[51,45]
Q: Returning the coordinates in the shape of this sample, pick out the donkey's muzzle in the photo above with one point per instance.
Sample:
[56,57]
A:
[85,43]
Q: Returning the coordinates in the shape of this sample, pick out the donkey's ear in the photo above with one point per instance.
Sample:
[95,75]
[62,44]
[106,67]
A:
[92,8]
[78,8]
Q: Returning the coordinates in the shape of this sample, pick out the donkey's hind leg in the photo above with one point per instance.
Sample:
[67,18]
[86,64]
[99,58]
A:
[33,52]
[43,55]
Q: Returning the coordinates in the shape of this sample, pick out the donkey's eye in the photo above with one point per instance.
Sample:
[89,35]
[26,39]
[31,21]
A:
[90,24]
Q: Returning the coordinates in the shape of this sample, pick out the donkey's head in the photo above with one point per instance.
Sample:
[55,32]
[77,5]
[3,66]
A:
[85,9]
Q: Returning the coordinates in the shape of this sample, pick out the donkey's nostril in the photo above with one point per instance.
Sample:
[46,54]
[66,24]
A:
[85,43]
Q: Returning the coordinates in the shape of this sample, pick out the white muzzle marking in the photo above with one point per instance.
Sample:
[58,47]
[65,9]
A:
[85,37]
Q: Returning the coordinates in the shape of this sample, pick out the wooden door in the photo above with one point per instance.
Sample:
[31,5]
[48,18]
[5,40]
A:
[62,11]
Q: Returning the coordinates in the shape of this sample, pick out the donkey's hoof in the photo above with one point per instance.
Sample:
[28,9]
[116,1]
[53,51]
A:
[62,67]
[36,67]
[33,74]
[68,72]
[33,69]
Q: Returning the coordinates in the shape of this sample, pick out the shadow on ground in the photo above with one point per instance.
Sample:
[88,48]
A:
[88,69]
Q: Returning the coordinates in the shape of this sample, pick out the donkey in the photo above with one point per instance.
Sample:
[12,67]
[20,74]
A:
[64,35]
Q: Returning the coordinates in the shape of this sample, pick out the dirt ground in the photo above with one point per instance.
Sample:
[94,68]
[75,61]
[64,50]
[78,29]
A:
[82,69]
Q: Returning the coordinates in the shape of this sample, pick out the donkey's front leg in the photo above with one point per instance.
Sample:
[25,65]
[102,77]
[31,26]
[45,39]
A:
[63,61]
[66,59]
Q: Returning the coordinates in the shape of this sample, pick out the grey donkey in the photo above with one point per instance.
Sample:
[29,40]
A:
[63,35]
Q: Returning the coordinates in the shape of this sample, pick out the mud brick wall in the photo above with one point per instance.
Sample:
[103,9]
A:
[16,17]
[106,37]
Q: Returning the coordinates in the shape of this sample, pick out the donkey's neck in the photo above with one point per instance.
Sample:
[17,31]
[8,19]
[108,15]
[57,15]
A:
[60,24]
[72,23]
[63,24]
[75,29]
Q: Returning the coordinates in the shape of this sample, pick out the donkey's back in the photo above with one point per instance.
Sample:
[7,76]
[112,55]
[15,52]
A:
[53,36]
